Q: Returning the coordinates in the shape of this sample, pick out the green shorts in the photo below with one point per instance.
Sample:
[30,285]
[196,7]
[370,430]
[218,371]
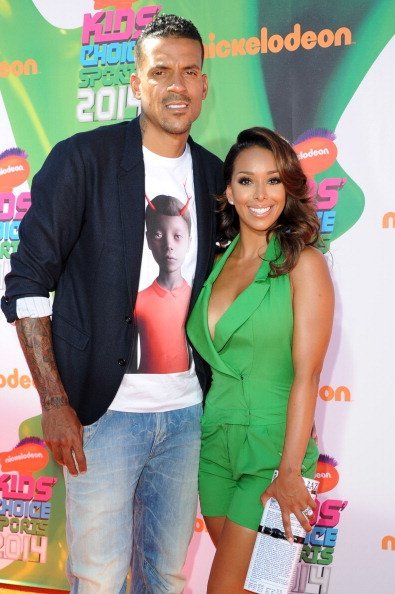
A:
[236,466]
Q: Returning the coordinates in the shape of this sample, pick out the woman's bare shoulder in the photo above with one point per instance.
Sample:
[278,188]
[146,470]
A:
[312,266]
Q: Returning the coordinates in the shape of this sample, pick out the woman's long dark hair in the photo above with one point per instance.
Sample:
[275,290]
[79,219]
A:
[298,224]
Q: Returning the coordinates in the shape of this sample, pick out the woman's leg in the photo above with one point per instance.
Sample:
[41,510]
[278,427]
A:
[231,560]
[214,525]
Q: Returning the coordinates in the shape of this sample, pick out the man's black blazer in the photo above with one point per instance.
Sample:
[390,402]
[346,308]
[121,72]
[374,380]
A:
[83,238]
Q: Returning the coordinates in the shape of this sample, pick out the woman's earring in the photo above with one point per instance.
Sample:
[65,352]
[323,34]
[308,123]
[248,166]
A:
[230,202]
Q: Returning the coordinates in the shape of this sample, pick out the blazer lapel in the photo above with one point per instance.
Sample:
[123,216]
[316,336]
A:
[131,182]
[205,222]
[248,301]
[239,312]
[198,330]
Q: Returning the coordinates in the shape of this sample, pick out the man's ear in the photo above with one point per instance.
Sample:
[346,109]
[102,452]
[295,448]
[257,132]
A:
[135,85]
[205,85]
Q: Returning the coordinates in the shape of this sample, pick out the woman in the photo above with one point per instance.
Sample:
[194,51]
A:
[263,322]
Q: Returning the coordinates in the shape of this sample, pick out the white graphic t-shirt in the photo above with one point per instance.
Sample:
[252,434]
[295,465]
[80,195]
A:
[166,378]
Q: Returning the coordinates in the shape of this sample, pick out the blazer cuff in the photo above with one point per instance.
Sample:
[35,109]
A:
[8,305]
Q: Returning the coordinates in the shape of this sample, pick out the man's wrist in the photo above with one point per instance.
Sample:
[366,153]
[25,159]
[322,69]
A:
[52,402]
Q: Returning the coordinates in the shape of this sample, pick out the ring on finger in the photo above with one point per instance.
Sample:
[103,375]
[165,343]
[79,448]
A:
[308,511]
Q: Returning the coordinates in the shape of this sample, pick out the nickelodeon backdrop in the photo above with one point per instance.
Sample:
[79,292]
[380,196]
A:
[320,73]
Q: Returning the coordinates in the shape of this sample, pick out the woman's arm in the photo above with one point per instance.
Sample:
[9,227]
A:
[313,302]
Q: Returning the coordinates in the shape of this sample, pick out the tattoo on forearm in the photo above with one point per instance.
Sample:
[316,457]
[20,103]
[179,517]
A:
[36,341]
[53,402]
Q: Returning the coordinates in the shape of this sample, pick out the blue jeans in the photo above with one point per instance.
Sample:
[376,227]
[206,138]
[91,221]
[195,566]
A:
[136,504]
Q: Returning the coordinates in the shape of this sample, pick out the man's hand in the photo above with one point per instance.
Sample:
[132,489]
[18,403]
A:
[62,430]
[63,434]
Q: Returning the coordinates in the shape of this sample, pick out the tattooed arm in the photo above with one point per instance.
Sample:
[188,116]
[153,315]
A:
[61,428]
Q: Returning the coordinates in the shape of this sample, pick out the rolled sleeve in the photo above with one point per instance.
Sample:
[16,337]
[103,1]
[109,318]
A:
[33,307]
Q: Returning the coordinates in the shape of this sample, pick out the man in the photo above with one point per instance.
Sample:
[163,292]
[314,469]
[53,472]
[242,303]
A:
[129,442]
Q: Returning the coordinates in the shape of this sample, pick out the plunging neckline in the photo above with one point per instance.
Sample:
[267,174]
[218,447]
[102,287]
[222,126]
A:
[217,271]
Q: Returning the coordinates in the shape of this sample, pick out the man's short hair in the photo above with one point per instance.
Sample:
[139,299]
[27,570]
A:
[166,26]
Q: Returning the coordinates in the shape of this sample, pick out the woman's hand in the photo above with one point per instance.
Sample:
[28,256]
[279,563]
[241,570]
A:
[293,498]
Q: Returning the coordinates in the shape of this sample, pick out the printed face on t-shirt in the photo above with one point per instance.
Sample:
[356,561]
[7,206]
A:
[168,239]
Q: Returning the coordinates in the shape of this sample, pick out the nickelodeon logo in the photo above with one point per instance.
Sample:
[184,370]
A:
[316,150]
[14,169]
[339,394]
[14,380]
[388,543]
[28,456]
[326,473]
[389,220]
[18,68]
[275,43]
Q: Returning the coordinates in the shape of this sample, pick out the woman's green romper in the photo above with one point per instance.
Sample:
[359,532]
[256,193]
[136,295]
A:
[243,424]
